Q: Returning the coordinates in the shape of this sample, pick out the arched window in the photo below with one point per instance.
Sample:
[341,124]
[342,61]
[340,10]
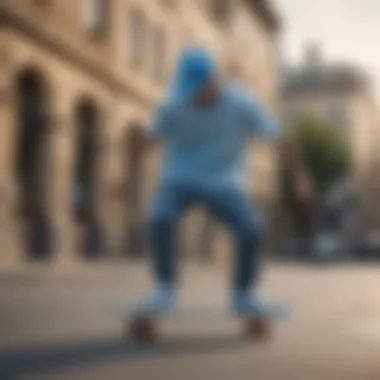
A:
[135,242]
[33,161]
[87,123]
[86,177]
[96,17]
[137,30]
[159,53]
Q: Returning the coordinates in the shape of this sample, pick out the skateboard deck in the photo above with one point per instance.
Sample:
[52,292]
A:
[277,312]
[141,324]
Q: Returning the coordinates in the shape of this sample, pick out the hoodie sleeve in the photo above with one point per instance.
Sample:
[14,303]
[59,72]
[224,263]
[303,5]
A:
[259,120]
[161,123]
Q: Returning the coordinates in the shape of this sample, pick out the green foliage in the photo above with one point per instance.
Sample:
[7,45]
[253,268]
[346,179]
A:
[325,153]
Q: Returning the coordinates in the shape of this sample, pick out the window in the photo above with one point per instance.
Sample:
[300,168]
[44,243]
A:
[42,3]
[159,53]
[136,37]
[96,17]
[221,10]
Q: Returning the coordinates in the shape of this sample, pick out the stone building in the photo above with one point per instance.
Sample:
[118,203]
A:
[76,78]
[342,95]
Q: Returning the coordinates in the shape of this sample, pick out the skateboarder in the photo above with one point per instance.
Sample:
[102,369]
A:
[206,127]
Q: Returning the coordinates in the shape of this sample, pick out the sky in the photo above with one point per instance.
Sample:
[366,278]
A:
[347,30]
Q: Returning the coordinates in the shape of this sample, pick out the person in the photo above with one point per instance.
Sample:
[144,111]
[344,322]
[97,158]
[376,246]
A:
[205,127]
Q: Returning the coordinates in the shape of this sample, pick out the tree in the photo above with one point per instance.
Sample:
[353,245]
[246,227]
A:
[328,159]
[325,152]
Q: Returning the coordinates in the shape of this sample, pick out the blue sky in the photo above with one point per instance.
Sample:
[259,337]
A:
[347,30]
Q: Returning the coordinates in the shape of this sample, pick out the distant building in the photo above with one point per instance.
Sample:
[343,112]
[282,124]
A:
[77,77]
[342,95]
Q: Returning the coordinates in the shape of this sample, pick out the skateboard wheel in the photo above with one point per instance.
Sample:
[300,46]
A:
[142,329]
[258,329]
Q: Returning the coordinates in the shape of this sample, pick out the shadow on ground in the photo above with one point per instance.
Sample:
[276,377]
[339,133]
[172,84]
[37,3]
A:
[53,358]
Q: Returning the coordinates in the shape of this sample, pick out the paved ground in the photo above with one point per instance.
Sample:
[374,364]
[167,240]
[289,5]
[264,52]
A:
[53,329]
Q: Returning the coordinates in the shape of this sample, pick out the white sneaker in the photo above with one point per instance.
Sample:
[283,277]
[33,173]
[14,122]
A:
[161,299]
[250,304]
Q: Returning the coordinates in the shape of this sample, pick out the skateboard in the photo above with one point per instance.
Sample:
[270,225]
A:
[143,325]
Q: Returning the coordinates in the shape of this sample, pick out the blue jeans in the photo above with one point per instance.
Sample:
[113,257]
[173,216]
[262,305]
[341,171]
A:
[230,205]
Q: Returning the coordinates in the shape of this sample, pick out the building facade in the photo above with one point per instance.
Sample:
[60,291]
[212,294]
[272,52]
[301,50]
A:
[77,78]
[342,96]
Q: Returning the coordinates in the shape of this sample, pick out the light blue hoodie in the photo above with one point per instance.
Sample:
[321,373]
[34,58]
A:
[206,146]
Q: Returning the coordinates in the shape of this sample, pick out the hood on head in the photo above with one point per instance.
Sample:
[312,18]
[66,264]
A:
[195,67]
